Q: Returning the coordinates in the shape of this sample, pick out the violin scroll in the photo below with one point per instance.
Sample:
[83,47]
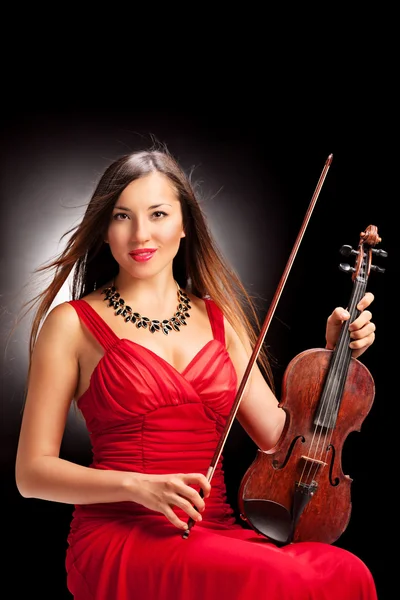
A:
[366,249]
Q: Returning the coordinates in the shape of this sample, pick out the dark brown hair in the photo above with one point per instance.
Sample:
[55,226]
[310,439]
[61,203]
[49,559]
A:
[198,266]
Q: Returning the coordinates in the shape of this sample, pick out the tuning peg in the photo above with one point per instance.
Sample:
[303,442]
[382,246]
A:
[379,252]
[346,268]
[377,269]
[347,250]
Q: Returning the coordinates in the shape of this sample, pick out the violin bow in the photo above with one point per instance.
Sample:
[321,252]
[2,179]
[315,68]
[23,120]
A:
[263,332]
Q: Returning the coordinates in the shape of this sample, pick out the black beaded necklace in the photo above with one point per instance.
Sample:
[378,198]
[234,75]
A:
[174,323]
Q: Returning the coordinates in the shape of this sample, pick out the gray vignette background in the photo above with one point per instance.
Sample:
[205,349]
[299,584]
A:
[257,177]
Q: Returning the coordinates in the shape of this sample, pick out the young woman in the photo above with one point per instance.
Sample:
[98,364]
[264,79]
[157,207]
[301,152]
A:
[152,348]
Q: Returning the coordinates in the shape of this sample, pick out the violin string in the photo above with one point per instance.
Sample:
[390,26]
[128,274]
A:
[321,432]
[344,355]
[327,402]
[334,385]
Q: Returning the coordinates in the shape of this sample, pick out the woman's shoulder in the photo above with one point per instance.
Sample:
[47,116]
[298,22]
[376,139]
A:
[65,316]
[60,332]
[62,321]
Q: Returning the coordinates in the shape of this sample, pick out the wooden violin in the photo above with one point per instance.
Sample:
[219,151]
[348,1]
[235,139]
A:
[297,491]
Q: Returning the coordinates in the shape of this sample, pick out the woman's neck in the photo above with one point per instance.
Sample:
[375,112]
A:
[156,297]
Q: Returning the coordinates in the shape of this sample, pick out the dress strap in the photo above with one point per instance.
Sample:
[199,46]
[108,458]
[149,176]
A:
[96,325]
[216,317]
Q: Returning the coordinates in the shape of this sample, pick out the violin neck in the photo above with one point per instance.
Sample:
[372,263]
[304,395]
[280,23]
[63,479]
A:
[342,347]
[329,404]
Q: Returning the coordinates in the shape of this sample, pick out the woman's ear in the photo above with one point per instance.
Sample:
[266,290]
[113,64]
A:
[183,234]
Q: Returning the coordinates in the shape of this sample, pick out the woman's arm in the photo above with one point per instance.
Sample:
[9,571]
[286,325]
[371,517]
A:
[40,473]
[258,412]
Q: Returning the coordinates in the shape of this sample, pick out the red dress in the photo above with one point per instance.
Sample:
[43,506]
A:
[145,416]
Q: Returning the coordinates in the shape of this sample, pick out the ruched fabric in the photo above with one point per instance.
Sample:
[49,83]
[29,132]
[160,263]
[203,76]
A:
[145,416]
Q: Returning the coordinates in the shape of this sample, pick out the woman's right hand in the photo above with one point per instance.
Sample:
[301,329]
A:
[162,492]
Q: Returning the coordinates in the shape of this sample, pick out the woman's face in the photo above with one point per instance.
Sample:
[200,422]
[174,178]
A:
[146,226]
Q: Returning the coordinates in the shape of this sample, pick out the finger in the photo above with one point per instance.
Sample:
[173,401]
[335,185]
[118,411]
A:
[185,493]
[338,316]
[362,320]
[363,342]
[174,519]
[358,347]
[190,495]
[360,329]
[200,480]
[189,508]
[365,301]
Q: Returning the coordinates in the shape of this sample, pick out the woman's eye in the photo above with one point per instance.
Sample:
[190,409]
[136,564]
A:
[159,214]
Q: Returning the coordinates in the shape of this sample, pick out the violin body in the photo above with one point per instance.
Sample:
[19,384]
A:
[297,491]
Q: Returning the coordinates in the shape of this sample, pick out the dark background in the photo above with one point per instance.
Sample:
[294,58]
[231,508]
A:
[259,168]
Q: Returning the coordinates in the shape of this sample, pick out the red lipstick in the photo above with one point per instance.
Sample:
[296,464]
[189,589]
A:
[142,254]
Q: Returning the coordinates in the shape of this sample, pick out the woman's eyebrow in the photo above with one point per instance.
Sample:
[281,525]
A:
[125,208]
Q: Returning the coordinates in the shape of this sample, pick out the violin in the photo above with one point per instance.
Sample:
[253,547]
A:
[297,491]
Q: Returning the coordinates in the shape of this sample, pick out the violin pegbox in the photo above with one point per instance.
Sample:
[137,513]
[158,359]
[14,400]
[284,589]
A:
[363,255]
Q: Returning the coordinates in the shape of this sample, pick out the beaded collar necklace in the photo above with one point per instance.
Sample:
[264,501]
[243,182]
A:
[166,325]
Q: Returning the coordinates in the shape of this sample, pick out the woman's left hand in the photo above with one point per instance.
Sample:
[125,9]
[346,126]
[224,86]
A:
[362,330]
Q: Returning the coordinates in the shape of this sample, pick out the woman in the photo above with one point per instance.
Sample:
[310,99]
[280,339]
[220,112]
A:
[152,349]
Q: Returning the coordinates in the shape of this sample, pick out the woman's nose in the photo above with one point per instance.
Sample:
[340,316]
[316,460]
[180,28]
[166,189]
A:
[140,230]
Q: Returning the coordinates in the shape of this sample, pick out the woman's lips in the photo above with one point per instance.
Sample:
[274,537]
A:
[142,255]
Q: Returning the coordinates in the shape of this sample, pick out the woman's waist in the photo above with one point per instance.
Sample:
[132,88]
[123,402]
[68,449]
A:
[216,503]
[218,512]
[157,463]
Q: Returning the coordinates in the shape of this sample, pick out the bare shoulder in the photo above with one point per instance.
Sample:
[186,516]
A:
[62,315]
[62,327]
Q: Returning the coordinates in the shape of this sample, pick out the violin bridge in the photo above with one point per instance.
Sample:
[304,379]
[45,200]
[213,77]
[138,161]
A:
[314,461]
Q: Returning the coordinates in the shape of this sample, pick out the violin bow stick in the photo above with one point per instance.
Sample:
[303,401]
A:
[264,329]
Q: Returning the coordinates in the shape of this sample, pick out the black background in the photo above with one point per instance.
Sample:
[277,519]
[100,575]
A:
[259,164]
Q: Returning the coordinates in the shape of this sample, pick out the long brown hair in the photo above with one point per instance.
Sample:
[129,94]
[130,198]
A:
[198,266]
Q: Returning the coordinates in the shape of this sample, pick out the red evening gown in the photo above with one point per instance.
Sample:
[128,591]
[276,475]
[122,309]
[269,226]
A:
[145,416]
